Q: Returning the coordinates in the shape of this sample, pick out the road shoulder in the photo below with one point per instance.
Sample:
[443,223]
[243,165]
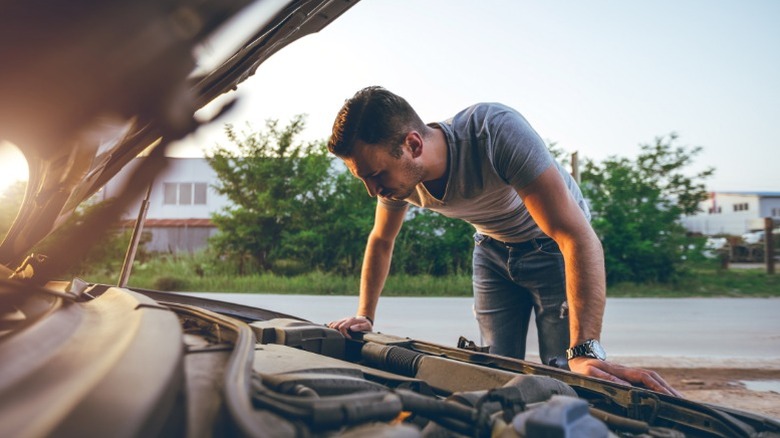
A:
[723,382]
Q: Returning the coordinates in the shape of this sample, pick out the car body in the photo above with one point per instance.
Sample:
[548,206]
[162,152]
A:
[93,84]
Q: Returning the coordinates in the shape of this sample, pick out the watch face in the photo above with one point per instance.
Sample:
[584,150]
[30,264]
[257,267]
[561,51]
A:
[597,350]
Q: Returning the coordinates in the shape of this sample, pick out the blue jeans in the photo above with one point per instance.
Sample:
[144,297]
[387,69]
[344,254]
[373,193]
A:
[511,280]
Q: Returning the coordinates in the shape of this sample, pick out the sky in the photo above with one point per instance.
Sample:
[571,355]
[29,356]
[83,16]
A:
[598,77]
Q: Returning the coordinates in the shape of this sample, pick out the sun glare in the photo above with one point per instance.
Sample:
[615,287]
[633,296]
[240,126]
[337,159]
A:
[13,166]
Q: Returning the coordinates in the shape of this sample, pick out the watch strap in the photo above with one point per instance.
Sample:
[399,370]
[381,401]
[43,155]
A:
[590,348]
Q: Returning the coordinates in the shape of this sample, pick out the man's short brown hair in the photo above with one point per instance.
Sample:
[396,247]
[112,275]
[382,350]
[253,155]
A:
[374,116]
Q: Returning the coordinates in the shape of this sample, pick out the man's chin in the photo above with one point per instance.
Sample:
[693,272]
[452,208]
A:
[396,197]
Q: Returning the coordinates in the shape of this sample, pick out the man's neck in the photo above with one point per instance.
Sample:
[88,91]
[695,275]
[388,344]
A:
[436,155]
[436,163]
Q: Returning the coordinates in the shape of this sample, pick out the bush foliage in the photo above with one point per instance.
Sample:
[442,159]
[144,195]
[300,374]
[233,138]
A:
[637,205]
[297,209]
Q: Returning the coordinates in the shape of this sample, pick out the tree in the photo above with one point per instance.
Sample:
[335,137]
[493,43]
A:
[333,239]
[430,243]
[10,200]
[276,187]
[105,256]
[295,208]
[637,205]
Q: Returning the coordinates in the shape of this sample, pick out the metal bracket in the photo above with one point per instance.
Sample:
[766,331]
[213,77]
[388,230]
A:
[466,344]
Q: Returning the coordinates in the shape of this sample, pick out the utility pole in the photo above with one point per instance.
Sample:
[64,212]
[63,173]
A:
[575,166]
[769,245]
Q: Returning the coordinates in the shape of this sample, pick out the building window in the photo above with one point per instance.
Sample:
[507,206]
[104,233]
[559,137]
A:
[776,212]
[743,206]
[170,192]
[184,193]
[200,190]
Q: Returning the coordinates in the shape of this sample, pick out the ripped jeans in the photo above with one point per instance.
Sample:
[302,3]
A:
[511,280]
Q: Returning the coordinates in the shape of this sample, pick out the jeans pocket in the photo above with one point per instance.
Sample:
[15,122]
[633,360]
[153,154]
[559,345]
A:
[549,247]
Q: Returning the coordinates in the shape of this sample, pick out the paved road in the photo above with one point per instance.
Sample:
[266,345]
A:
[744,330]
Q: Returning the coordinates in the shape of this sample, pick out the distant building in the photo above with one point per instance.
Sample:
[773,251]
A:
[180,205]
[734,213]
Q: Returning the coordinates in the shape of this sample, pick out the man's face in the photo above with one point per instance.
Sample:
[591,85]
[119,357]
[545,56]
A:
[383,174]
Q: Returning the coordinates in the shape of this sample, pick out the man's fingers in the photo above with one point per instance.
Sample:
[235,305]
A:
[356,324]
[361,326]
[623,375]
[647,378]
[655,382]
[342,326]
[601,374]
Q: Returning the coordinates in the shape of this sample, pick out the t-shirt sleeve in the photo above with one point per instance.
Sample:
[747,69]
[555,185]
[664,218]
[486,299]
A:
[517,152]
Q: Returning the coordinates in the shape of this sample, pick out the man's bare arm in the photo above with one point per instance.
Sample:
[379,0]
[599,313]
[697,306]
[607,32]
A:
[558,215]
[376,266]
[556,212]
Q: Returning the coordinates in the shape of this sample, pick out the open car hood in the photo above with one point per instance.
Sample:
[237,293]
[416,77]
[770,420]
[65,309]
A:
[87,86]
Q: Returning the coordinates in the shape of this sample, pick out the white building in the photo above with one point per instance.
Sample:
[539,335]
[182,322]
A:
[180,205]
[734,213]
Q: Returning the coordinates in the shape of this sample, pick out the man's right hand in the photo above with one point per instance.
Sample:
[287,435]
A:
[353,323]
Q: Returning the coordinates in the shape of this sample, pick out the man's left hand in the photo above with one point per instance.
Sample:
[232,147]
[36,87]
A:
[620,374]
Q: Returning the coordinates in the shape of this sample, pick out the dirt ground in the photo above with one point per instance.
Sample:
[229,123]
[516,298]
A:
[724,387]
[717,381]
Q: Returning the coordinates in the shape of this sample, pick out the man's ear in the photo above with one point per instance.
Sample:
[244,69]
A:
[415,142]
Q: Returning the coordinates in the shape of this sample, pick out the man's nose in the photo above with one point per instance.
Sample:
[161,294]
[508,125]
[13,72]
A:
[370,187]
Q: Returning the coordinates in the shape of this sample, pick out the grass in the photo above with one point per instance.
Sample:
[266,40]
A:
[194,274]
[706,279]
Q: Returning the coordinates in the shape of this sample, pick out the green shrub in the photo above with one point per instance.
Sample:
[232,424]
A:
[288,267]
[171,284]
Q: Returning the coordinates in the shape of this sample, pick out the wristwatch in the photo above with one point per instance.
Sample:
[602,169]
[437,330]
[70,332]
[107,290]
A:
[590,348]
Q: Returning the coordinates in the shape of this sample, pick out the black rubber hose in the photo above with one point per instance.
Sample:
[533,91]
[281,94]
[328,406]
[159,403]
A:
[329,412]
[431,407]
[397,360]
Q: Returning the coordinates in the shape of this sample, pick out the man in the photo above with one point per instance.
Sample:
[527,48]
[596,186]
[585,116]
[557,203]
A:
[535,248]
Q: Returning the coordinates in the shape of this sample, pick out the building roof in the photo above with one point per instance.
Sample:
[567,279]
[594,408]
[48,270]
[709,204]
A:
[762,194]
[172,223]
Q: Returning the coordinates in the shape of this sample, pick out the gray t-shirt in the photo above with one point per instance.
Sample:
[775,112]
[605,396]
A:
[493,151]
